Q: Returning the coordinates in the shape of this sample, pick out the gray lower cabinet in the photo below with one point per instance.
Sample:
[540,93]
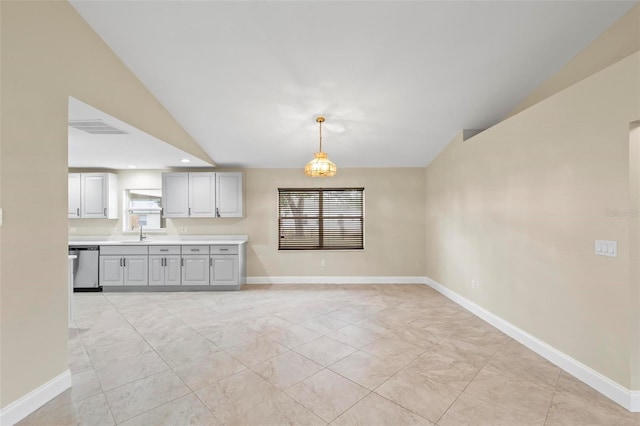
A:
[223,265]
[111,271]
[165,265]
[195,265]
[124,265]
[214,266]
[224,270]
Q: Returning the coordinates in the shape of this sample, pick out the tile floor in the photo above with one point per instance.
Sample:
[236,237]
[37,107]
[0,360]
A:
[308,355]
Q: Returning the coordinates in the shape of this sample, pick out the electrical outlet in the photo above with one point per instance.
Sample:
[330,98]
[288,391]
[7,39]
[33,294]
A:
[473,284]
[323,263]
[0,217]
[606,248]
[183,229]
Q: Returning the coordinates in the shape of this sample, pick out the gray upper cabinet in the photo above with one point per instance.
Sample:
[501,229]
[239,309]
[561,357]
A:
[229,194]
[175,194]
[74,196]
[93,196]
[202,194]
[188,195]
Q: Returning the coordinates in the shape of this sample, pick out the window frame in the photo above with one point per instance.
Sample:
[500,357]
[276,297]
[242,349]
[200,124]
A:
[321,220]
[127,212]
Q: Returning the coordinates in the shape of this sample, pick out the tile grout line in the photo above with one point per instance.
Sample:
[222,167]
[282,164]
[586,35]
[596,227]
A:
[470,381]
[104,395]
[169,367]
[374,390]
[555,390]
[346,378]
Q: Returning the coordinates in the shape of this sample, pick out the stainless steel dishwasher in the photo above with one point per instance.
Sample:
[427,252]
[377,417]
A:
[85,268]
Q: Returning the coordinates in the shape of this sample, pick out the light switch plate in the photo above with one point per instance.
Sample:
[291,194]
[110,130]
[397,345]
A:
[606,248]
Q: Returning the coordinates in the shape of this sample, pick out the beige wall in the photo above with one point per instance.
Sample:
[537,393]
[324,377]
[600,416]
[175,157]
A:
[49,53]
[517,209]
[617,42]
[394,223]
[634,250]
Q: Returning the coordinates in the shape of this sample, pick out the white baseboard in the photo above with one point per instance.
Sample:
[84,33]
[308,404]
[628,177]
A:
[614,391]
[335,280]
[21,408]
[635,402]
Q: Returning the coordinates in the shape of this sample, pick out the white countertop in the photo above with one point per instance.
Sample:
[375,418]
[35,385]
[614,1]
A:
[161,241]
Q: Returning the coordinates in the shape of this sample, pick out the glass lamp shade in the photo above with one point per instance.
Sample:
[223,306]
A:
[320,166]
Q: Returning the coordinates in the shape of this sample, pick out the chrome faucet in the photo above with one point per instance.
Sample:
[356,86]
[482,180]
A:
[142,236]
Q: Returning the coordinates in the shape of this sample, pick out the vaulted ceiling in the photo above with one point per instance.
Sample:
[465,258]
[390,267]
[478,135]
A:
[395,80]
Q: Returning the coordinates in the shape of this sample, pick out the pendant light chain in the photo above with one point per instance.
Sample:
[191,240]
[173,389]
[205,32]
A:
[320,120]
[320,135]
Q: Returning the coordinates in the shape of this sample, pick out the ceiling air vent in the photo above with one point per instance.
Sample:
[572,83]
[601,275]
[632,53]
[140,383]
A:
[96,127]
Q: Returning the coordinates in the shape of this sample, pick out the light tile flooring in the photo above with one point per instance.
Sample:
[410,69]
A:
[308,355]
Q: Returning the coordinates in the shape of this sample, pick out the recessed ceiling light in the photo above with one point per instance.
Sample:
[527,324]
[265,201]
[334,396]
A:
[132,167]
[185,160]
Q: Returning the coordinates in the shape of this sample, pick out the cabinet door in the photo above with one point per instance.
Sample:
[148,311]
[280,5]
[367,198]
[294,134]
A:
[111,195]
[175,194]
[94,195]
[136,270]
[202,194]
[195,270]
[111,270]
[229,194]
[224,270]
[156,270]
[172,270]
[74,195]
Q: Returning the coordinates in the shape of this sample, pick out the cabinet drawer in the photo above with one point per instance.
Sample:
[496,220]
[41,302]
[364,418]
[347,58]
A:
[123,250]
[164,249]
[195,249]
[232,249]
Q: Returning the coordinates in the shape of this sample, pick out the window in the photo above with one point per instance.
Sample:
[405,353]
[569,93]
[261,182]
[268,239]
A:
[143,208]
[321,218]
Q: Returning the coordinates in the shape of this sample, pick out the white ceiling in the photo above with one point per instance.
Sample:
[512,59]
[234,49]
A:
[395,80]
[120,151]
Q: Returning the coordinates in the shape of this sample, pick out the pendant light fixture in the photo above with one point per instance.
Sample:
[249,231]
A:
[320,166]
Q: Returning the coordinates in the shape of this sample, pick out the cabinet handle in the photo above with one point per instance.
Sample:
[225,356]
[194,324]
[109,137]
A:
[217,212]
[163,262]
[120,261]
[124,262]
[105,212]
[182,261]
[210,261]
[78,212]
[222,249]
[189,211]
[195,249]
[164,249]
